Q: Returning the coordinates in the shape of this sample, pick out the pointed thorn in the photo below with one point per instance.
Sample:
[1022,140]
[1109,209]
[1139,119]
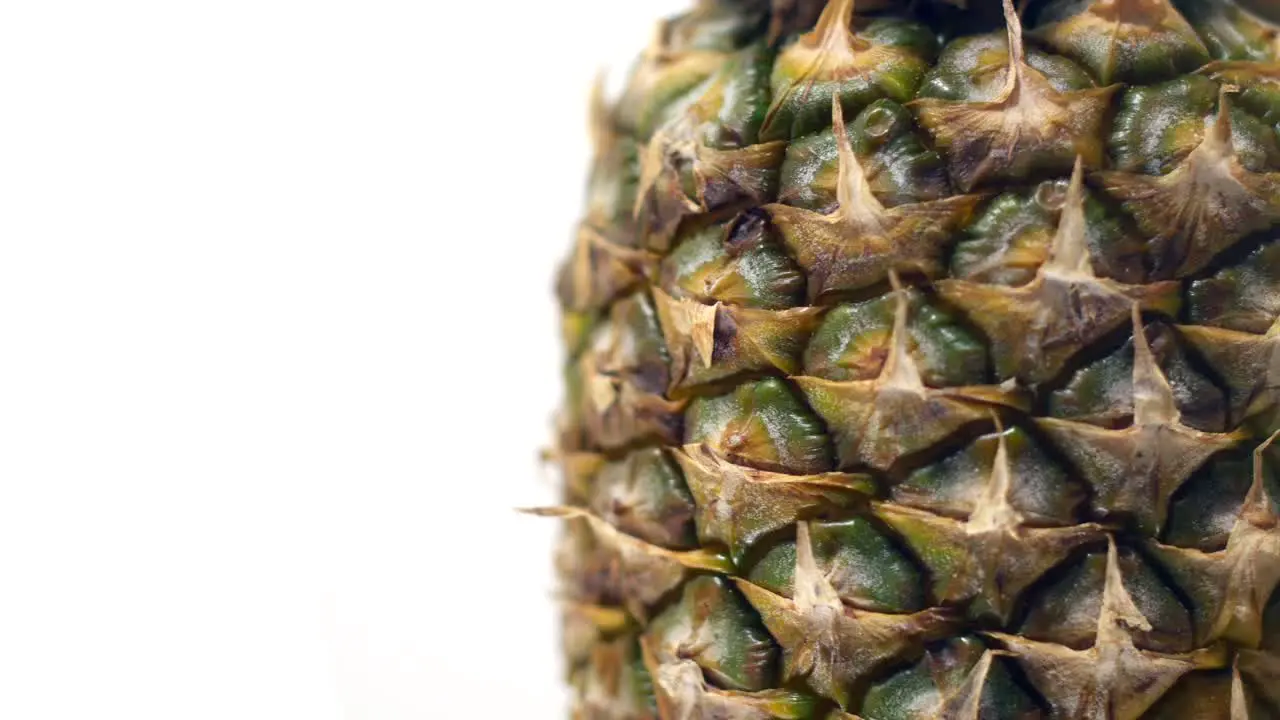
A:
[1069,253]
[1017,52]
[1239,704]
[895,282]
[835,20]
[804,549]
[1141,348]
[853,192]
[837,124]
[1153,401]
[972,691]
[1257,503]
[551,512]
[899,369]
[1118,615]
[812,588]
[1220,133]
[1075,189]
[994,512]
[1266,444]
[1001,463]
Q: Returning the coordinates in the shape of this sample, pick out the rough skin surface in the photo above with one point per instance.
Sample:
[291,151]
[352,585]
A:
[922,363]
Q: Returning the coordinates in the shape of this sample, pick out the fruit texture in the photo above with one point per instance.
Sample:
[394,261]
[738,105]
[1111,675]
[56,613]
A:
[922,362]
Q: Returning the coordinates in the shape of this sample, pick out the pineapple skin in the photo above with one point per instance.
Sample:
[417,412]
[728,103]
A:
[922,361]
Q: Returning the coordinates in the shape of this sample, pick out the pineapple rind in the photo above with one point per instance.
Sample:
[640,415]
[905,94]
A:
[956,410]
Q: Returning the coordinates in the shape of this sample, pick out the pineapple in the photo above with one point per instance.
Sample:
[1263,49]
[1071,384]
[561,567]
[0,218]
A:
[923,364]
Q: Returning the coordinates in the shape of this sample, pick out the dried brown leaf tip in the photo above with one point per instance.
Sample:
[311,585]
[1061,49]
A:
[1230,588]
[1113,679]
[640,572]
[858,244]
[876,422]
[690,328]
[1029,128]
[1035,329]
[1207,203]
[739,505]
[830,646]
[1135,471]
[988,560]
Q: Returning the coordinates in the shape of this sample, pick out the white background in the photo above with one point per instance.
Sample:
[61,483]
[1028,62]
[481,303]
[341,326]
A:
[277,351]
